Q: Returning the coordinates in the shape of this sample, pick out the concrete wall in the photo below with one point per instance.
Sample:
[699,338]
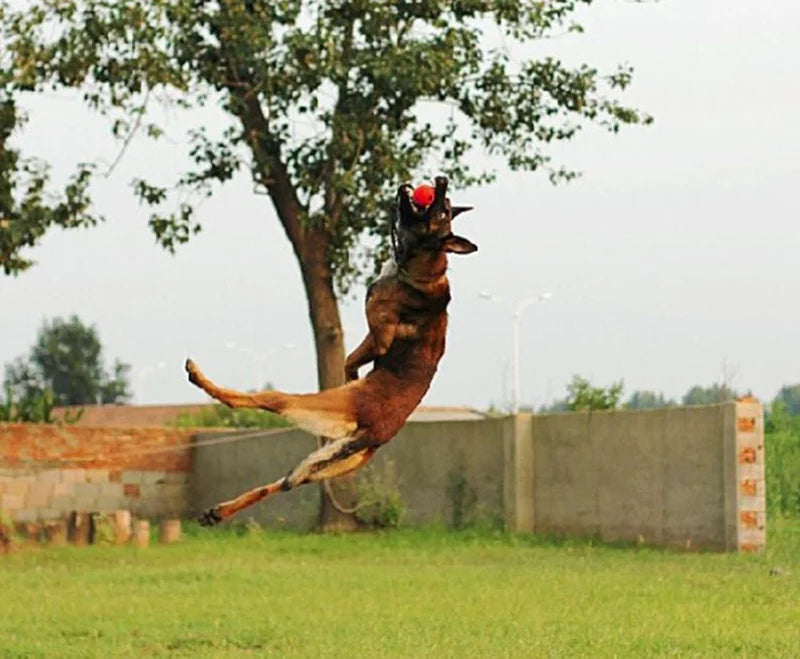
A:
[449,469]
[654,475]
[436,467]
[222,471]
[689,477]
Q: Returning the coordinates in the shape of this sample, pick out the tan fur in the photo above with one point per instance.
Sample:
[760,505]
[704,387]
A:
[407,318]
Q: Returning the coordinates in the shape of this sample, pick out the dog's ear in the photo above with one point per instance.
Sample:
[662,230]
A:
[459,245]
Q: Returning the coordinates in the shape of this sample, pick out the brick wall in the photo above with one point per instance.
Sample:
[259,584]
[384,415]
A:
[47,471]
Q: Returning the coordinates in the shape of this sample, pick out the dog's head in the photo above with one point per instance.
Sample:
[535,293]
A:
[427,229]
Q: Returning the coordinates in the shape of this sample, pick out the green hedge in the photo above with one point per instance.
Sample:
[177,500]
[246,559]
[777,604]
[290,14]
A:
[782,443]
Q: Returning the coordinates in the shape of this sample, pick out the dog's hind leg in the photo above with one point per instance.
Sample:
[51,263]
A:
[330,413]
[274,401]
[334,459]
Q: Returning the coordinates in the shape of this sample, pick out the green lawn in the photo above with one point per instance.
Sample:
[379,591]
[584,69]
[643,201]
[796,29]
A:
[405,593]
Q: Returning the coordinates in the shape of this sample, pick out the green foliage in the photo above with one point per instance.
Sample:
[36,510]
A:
[647,400]
[716,393]
[323,103]
[380,504]
[789,396]
[782,449]
[103,530]
[33,406]
[66,360]
[27,210]
[221,416]
[583,396]
[463,499]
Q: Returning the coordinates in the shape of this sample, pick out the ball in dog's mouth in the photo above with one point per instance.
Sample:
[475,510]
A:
[423,195]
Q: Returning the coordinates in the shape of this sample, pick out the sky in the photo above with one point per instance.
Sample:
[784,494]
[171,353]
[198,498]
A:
[673,261]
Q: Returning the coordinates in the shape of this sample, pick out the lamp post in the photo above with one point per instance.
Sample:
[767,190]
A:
[519,307]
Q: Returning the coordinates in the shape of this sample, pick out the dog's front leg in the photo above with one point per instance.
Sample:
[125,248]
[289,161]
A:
[375,344]
[363,354]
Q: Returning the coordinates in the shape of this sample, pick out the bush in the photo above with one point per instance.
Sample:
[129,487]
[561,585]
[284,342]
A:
[782,447]
[222,416]
[30,407]
[380,504]
[583,396]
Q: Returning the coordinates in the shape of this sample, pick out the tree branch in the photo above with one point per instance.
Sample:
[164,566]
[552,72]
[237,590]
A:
[137,123]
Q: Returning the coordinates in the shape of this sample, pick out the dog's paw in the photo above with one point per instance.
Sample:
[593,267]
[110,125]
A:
[210,517]
[192,370]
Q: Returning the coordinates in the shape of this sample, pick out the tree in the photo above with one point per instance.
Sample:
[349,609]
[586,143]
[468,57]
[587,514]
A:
[645,400]
[789,395]
[322,104]
[716,393]
[583,396]
[67,361]
[32,406]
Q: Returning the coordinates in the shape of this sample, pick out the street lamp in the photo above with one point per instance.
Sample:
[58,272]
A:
[519,307]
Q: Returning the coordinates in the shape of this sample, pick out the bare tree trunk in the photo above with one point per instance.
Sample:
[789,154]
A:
[310,245]
[323,310]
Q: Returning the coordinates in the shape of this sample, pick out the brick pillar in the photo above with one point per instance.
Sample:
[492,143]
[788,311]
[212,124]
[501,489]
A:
[750,498]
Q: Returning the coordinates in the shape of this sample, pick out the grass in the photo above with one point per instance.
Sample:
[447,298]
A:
[404,593]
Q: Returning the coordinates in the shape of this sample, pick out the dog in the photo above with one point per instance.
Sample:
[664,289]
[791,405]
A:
[406,310]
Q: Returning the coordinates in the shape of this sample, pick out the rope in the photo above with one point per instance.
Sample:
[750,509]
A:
[326,485]
[340,507]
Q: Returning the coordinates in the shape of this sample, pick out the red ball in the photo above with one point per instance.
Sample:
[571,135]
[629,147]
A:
[423,195]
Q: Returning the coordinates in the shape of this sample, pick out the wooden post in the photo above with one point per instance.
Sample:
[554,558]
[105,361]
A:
[141,533]
[170,531]
[122,526]
[5,538]
[55,533]
[80,528]
[31,531]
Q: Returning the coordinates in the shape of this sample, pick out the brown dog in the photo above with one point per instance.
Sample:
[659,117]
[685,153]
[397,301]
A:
[407,318]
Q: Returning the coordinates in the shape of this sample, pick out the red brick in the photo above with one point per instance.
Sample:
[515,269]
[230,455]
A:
[131,490]
[95,447]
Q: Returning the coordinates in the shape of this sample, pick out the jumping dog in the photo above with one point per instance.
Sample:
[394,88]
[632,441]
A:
[406,311]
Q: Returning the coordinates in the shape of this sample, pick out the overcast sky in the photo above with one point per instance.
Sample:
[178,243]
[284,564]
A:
[672,261]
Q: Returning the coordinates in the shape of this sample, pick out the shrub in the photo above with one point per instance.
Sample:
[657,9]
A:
[462,498]
[782,447]
[380,504]
[222,416]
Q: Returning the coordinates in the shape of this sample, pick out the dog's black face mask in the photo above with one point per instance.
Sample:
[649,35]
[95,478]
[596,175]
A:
[417,229]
